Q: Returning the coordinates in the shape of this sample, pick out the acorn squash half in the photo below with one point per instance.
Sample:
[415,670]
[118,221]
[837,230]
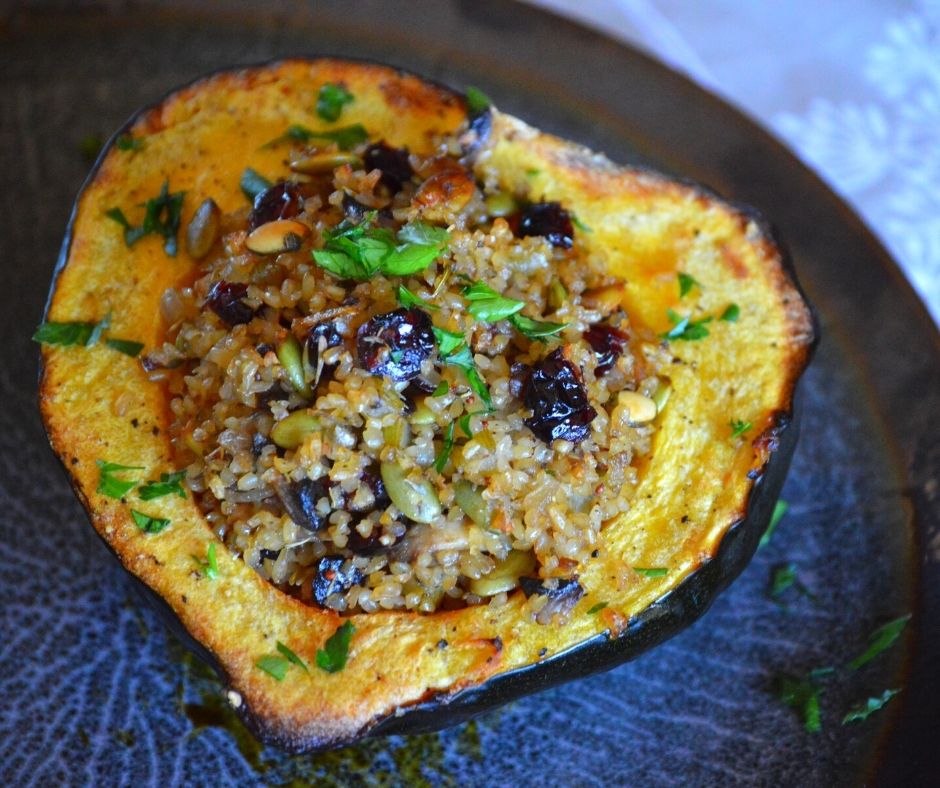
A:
[703,499]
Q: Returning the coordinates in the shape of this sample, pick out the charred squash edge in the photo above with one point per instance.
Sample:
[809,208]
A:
[664,618]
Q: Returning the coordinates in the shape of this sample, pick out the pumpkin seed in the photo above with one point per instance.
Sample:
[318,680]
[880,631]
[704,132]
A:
[633,409]
[396,434]
[661,395]
[203,229]
[290,432]
[282,235]
[415,498]
[325,161]
[290,356]
[505,575]
[557,295]
[423,415]
[470,499]
[501,204]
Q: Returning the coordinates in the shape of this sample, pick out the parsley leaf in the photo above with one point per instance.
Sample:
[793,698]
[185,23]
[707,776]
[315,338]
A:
[345,137]
[125,346]
[803,695]
[686,283]
[253,183]
[686,328]
[486,304]
[109,484]
[64,334]
[409,259]
[580,225]
[332,658]
[161,217]
[408,299]
[865,708]
[477,101]
[738,427]
[441,462]
[447,341]
[780,509]
[453,350]
[597,608]
[731,313]
[128,143]
[464,422]
[169,484]
[330,101]
[423,233]
[148,524]
[881,640]
[657,571]
[536,329]
[274,665]
[209,567]
[292,657]
[783,577]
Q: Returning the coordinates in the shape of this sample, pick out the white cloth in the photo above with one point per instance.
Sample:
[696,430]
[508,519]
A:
[853,88]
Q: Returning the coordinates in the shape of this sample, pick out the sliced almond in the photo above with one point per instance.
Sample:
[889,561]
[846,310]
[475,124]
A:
[283,235]
[633,409]
[325,161]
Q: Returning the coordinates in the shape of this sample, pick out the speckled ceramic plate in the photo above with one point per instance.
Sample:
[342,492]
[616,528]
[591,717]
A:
[96,692]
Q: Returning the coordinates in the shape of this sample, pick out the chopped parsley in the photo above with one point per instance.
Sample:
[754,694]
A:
[148,524]
[536,329]
[447,341]
[477,100]
[655,571]
[464,422]
[597,608]
[780,509]
[292,657]
[441,462]
[408,299]
[579,224]
[686,283]
[332,657]
[880,640]
[453,349]
[253,183]
[274,665]
[486,304]
[783,578]
[731,313]
[161,217]
[108,482]
[802,694]
[345,137]
[686,328]
[169,484]
[209,567]
[128,143]
[65,334]
[331,100]
[125,346]
[423,233]
[865,708]
[739,427]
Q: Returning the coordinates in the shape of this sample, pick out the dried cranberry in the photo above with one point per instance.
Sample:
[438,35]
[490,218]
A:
[280,201]
[353,209]
[326,331]
[555,394]
[300,502]
[225,299]
[331,579]
[393,162]
[272,555]
[608,343]
[365,545]
[373,480]
[561,598]
[548,219]
[395,343]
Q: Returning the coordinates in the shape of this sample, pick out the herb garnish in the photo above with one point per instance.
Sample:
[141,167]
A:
[486,304]
[161,217]
[125,346]
[209,567]
[148,524]
[686,328]
[655,571]
[253,183]
[802,694]
[128,143]
[274,665]
[441,390]
[332,657]
[292,657]
[330,101]
[780,509]
[453,350]
[441,462]
[880,640]
[108,482]
[477,101]
[731,313]
[408,299]
[579,224]
[782,578]
[345,137]
[169,484]
[686,283]
[597,608]
[536,329]
[865,708]
[464,422]
[82,333]
[739,427]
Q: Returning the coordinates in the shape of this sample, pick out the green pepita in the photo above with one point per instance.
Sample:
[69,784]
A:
[290,432]
[470,499]
[415,498]
[291,358]
[505,576]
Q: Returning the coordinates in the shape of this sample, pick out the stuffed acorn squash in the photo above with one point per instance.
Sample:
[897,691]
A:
[402,408]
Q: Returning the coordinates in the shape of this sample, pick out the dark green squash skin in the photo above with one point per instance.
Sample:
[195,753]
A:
[664,618]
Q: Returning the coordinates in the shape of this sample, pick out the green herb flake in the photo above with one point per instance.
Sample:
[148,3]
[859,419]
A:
[782,578]
[462,357]
[331,100]
[731,313]
[597,608]
[169,484]
[656,571]
[64,334]
[345,137]
[292,657]
[441,462]
[90,146]
[253,183]
[161,217]
[448,341]
[274,665]
[441,390]
[686,283]
[536,329]
[533,173]
[816,674]
[685,328]
[780,509]
[803,695]
[332,658]
[125,346]
[580,225]
[739,427]
[148,524]
[108,482]
[865,708]
[464,422]
[209,567]
[486,304]
[477,101]
[423,234]
[128,143]
[880,640]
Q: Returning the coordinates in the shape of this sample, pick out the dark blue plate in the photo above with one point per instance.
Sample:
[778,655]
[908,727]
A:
[96,692]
